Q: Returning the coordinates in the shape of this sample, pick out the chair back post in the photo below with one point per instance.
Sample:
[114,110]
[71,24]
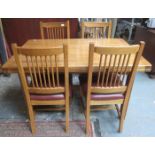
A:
[68,29]
[82,30]
[90,70]
[110,29]
[65,48]
[41,30]
[17,59]
[21,73]
[132,77]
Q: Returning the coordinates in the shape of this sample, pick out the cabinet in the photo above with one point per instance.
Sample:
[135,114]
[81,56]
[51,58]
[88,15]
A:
[147,35]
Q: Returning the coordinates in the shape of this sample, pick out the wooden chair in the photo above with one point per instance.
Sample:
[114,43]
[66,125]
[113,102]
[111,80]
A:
[109,85]
[96,29]
[41,80]
[55,30]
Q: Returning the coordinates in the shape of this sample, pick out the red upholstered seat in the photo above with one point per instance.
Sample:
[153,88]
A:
[106,96]
[47,97]
[99,96]
[59,96]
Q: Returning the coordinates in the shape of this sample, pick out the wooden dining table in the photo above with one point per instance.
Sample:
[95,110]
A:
[78,53]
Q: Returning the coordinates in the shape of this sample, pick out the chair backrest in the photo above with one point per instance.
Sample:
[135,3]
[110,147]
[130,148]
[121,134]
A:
[113,74]
[39,69]
[96,29]
[55,30]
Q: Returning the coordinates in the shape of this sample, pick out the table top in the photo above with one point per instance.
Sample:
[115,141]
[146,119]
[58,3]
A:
[78,52]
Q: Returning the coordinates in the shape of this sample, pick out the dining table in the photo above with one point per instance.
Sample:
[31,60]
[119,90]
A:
[78,53]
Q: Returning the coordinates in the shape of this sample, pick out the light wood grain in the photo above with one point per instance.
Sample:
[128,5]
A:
[55,30]
[112,81]
[36,80]
[77,53]
[96,29]
[118,81]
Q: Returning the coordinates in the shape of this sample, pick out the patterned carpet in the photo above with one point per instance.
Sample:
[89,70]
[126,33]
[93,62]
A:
[44,129]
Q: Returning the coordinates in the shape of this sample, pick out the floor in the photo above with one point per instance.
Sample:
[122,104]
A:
[140,120]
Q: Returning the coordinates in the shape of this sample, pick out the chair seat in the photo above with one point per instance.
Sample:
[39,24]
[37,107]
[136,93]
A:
[99,96]
[59,96]
[47,97]
[106,96]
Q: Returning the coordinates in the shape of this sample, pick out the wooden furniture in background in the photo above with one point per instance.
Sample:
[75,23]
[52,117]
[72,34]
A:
[96,29]
[112,83]
[148,35]
[77,53]
[41,83]
[55,30]
[19,30]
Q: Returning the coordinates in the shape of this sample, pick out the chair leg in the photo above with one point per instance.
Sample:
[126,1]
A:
[122,117]
[32,120]
[67,117]
[30,111]
[121,124]
[88,120]
[118,110]
[82,107]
